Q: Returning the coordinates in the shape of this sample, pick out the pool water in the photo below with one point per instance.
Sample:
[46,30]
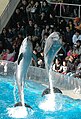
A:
[65,107]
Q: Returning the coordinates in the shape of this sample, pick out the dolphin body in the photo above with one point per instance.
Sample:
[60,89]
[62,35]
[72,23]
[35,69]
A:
[23,62]
[52,47]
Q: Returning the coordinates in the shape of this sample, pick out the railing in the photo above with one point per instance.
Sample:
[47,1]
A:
[4,18]
[59,80]
[65,10]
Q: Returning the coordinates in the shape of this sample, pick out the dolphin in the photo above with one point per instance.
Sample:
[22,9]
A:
[52,46]
[22,65]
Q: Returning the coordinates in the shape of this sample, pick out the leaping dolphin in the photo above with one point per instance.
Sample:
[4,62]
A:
[22,65]
[52,47]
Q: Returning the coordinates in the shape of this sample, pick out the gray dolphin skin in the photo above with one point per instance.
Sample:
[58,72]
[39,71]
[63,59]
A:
[23,62]
[52,47]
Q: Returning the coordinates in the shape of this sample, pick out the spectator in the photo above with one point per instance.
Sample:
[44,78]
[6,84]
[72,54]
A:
[30,28]
[62,25]
[35,11]
[9,56]
[64,67]
[71,25]
[29,8]
[43,41]
[76,36]
[78,71]
[70,52]
[68,36]
[57,66]
[40,62]
[77,49]
[37,31]
[70,66]
[17,17]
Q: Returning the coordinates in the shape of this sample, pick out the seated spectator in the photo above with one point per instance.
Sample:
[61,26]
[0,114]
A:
[34,57]
[10,35]
[68,35]
[40,63]
[64,67]
[45,30]
[77,49]
[30,28]
[70,52]
[35,11]
[78,71]
[37,31]
[71,24]
[62,25]
[70,66]
[76,36]
[9,56]
[43,41]
[29,9]
[76,22]
[57,66]
[38,48]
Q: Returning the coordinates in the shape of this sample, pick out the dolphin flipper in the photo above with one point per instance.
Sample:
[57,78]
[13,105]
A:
[20,58]
[20,104]
[47,91]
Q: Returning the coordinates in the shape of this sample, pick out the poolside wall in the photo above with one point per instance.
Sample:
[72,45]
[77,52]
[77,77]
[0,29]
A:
[40,75]
[59,80]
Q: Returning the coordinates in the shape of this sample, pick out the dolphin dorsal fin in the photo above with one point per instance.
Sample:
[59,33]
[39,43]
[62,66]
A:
[20,58]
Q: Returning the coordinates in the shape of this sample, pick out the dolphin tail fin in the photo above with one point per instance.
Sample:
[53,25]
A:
[20,104]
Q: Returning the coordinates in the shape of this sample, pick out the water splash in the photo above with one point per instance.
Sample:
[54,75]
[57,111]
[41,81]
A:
[50,83]
[14,92]
[22,95]
[17,112]
[48,104]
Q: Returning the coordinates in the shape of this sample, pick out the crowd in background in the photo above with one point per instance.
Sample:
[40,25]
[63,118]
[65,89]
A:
[36,20]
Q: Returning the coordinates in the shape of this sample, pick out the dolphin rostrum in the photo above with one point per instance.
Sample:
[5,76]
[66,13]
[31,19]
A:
[22,65]
[52,47]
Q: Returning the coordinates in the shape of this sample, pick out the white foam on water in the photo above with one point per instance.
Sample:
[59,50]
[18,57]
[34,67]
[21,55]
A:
[18,112]
[48,104]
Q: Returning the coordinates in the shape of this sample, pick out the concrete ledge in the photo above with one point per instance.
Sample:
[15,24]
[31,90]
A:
[71,94]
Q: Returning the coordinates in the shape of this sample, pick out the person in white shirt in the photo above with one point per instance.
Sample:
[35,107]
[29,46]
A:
[76,37]
[57,66]
[64,67]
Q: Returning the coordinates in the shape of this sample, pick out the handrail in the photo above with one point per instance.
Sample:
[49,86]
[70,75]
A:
[66,4]
[63,3]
